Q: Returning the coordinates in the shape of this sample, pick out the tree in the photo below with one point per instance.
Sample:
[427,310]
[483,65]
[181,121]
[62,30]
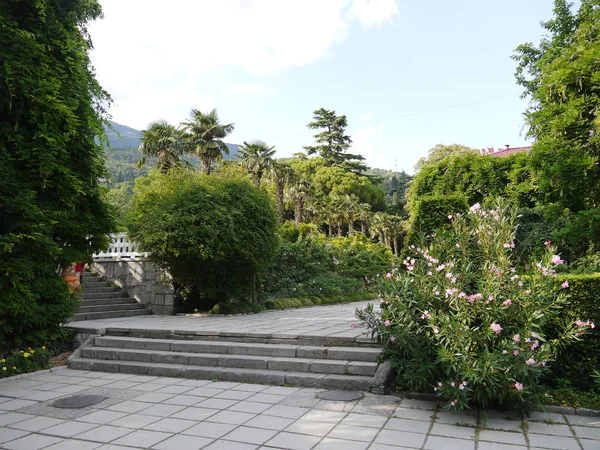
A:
[300,191]
[214,236]
[560,77]
[51,210]
[205,133]
[333,143]
[281,174]
[165,142]
[440,152]
[257,157]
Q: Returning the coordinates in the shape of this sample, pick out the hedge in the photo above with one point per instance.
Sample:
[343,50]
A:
[431,212]
[576,363]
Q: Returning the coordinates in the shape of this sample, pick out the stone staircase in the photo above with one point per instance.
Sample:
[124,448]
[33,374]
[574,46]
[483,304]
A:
[249,359]
[99,300]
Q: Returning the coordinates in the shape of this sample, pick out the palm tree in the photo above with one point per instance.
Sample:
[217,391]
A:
[396,228]
[363,214]
[280,173]
[163,141]
[205,133]
[353,205]
[378,227]
[257,157]
[300,192]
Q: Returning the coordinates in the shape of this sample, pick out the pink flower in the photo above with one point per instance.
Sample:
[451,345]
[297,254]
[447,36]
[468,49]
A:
[520,283]
[453,403]
[436,331]
[453,280]
[449,275]
[517,338]
[542,363]
[393,339]
[491,298]
[457,245]
[439,383]
[535,345]
[475,207]
[507,302]
[462,387]
[450,217]
[364,308]
[353,325]
[436,293]
[496,328]
[530,362]
[426,315]
[565,285]
[518,386]
[389,275]
[528,291]
[435,389]
[556,260]
[505,352]
[429,273]
[516,353]
[506,245]
[387,323]
[548,243]
[452,384]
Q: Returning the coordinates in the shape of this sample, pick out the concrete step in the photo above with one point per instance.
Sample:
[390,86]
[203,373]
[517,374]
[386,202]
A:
[241,375]
[287,364]
[110,314]
[87,281]
[85,309]
[101,295]
[363,354]
[98,289]
[108,301]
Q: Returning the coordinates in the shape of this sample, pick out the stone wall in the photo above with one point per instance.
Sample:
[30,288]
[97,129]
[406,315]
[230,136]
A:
[140,280]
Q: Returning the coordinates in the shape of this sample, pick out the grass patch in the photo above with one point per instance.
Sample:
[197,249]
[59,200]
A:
[573,398]
[288,303]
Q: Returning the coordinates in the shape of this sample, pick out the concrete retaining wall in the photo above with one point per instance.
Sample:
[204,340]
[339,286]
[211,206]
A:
[140,280]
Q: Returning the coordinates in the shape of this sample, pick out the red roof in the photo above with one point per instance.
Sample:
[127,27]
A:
[490,151]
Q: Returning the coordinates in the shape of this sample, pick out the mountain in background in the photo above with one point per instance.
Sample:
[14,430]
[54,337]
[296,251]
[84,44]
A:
[122,136]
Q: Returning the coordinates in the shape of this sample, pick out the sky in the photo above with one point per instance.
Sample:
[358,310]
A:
[408,74]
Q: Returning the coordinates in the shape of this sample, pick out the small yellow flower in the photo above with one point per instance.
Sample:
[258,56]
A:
[32,352]
[3,361]
[20,351]
[26,355]
[44,347]
[4,368]
[14,368]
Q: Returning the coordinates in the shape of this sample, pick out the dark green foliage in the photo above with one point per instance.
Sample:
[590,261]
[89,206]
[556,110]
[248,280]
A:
[51,211]
[25,361]
[577,361]
[431,212]
[358,256]
[213,235]
[333,143]
[288,232]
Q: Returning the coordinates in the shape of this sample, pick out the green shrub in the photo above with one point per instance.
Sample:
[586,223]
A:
[357,256]
[26,361]
[288,232]
[460,321]
[213,236]
[431,212]
[576,362]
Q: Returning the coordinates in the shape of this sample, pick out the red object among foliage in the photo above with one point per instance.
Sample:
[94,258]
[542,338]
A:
[490,151]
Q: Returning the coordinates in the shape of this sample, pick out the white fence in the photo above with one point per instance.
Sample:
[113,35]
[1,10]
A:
[120,247]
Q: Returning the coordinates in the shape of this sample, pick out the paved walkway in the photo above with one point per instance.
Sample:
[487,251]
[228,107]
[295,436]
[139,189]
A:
[321,321]
[177,414]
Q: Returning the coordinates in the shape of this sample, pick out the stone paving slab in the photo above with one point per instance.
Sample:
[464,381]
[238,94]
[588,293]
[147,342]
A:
[302,323]
[194,414]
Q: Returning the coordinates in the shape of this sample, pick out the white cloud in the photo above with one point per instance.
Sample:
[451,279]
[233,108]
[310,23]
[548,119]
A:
[142,46]
[250,89]
[373,12]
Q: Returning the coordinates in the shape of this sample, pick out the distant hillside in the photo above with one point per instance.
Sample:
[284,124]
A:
[123,153]
[122,136]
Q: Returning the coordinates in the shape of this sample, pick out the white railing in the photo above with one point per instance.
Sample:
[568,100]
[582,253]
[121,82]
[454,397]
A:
[120,247]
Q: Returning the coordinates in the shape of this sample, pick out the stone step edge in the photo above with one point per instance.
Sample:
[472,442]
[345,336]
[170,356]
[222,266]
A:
[131,306]
[305,365]
[114,300]
[363,354]
[303,379]
[265,338]
[123,313]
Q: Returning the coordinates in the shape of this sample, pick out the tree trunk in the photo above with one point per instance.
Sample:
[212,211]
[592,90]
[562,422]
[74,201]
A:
[299,210]
[280,205]
[363,227]
[256,179]
[340,229]
[350,228]
[330,229]
[255,292]
[396,245]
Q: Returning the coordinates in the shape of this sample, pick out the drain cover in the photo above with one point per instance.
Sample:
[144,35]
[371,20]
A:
[78,401]
[340,396]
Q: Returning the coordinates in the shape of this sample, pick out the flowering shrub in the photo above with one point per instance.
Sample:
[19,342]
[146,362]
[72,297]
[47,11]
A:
[459,320]
[25,361]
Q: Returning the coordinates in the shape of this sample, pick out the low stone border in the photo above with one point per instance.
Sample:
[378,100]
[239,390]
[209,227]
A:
[37,372]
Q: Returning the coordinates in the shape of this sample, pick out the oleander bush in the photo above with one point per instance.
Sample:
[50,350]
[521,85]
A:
[461,321]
